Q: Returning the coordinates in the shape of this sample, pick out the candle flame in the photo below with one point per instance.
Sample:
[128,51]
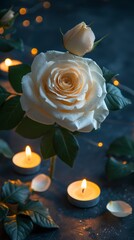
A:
[28,152]
[83,185]
[8,62]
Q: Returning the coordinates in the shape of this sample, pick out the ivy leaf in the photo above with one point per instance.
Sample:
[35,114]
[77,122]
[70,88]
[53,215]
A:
[18,227]
[65,145]
[108,75]
[31,129]
[122,146]
[15,75]
[116,169]
[11,113]
[5,149]
[46,146]
[3,95]
[38,214]
[7,45]
[114,98]
[15,192]
[3,211]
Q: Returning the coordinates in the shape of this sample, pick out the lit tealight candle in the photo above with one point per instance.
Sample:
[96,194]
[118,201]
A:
[83,193]
[7,63]
[27,162]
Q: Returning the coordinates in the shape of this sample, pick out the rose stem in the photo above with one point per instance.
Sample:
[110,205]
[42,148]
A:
[52,166]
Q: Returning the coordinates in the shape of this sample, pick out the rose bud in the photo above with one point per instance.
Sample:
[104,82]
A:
[8,16]
[79,40]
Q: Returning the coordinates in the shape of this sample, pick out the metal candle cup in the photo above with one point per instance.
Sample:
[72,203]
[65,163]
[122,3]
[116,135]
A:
[83,197]
[26,162]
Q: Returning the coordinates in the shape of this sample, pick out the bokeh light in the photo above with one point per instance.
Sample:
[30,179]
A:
[100,144]
[124,162]
[34,51]
[116,82]
[39,19]
[8,62]
[26,23]
[46,4]
[1,30]
[23,11]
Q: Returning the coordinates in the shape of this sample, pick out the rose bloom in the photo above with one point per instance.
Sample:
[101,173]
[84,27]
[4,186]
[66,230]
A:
[65,89]
[79,40]
[8,16]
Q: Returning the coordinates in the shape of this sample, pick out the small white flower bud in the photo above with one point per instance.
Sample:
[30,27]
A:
[79,40]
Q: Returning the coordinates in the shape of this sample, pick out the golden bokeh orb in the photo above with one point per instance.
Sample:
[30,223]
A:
[39,19]
[23,11]
[34,51]
[100,144]
[26,23]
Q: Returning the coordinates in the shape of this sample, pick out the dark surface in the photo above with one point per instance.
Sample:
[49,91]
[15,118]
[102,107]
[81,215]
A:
[115,18]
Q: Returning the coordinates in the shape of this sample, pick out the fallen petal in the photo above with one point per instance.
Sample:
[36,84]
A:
[119,208]
[40,183]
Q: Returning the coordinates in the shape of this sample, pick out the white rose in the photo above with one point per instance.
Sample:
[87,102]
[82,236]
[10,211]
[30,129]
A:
[79,40]
[9,15]
[66,90]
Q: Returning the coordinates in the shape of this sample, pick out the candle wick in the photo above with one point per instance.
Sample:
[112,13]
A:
[28,158]
[83,190]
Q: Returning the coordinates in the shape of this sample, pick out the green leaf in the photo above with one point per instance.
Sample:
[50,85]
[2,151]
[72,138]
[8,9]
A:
[114,98]
[18,227]
[11,113]
[116,169]
[38,214]
[15,75]
[15,192]
[31,129]
[3,211]
[65,145]
[7,45]
[108,75]
[9,31]
[122,146]
[5,149]
[46,146]
[3,95]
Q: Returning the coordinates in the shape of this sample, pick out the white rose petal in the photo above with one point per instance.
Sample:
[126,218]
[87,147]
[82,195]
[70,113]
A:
[8,16]
[40,183]
[65,89]
[119,208]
